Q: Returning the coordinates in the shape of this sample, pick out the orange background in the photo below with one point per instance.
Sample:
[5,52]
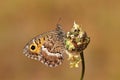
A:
[20,20]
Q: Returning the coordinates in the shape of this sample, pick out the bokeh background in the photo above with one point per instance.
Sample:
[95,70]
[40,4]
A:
[21,20]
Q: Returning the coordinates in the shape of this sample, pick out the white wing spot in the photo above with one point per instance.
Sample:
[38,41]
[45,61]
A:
[51,54]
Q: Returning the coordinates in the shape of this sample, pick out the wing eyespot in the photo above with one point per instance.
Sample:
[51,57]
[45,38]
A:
[33,47]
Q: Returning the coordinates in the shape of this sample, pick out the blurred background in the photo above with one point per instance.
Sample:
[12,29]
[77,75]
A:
[21,20]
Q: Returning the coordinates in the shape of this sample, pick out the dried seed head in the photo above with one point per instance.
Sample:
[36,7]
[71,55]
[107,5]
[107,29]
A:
[75,42]
[77,39]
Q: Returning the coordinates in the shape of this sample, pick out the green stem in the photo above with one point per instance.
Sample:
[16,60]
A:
[83,65]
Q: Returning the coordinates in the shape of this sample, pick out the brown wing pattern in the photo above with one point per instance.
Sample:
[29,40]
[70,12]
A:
[47,48]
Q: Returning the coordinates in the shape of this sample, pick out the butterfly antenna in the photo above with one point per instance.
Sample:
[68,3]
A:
[59,27]
[59,20]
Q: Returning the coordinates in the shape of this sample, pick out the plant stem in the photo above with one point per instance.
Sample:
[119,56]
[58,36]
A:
[83,65]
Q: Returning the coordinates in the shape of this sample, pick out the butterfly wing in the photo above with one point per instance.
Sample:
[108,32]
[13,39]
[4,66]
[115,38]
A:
[47,48]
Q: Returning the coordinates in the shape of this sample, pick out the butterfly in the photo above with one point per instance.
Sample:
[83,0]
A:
[48,47]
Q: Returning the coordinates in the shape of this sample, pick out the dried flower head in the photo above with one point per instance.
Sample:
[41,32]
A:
[76,41]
